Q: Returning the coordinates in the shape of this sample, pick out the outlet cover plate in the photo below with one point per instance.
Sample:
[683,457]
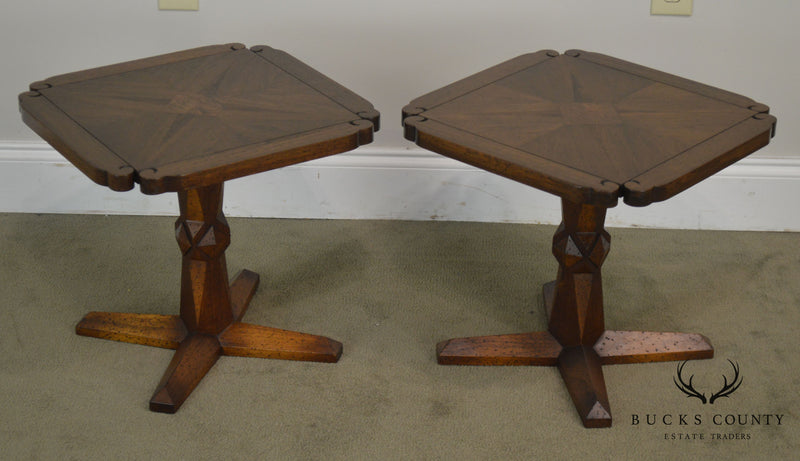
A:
[188,5]
[671,7]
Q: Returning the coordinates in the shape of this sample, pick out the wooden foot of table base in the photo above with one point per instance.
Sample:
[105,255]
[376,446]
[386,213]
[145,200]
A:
[580,366]
[576,339]
[540,348]
[195,356]
[197,352]
[535,348]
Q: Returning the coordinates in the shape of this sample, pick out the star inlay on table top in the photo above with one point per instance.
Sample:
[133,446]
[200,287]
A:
[196,117]
[589,127]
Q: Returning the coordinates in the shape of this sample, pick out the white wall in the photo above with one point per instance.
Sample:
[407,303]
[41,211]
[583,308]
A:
[391,52]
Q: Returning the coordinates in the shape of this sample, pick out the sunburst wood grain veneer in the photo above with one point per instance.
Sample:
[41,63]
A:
[186,122]
[591,129]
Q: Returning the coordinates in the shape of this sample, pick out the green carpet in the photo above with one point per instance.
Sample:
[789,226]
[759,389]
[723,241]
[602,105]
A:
[389,291]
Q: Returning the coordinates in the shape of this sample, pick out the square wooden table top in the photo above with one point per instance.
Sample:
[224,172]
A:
[196,117]
[588,127]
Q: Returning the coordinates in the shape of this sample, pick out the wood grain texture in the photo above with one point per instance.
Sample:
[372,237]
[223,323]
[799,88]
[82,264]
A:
[243,287]
[511,162]
[156,330]
[203,235]
[615,346]
[476,81]
[577,340]
[580,245]
[195,356]
[591,129]
[195,118]
[535,348]
[319,82]
[211,309]
[137,64]
[581,371]
[187,122]
[83,150]
[246,340]
[588,127]
[668,79]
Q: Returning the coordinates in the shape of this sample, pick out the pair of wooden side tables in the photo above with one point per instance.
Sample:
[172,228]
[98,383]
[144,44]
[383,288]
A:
[584,126]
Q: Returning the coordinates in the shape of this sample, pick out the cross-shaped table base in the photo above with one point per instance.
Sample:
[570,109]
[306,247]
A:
[209,325]
[576,340]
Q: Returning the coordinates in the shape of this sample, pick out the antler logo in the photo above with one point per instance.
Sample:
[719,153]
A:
[727,388]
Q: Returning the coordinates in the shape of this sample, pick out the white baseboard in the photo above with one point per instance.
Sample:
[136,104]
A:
[409,184]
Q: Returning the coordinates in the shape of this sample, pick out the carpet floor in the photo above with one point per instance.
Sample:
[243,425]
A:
[389,291]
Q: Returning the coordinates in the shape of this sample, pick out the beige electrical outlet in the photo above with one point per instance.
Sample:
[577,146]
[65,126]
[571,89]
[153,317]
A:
[671,7]
[192,5]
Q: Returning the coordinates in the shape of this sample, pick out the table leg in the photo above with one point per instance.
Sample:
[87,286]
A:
[210,310]
[576,340]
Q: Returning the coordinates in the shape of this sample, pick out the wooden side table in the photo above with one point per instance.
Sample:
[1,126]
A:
[591,129]
[186,122]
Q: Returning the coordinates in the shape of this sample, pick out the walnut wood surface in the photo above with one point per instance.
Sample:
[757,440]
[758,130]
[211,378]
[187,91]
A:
[581,371]
[534,348]
[576,340]
[588,127]
[157,330]
[186,122]
[195,118]
[211,309]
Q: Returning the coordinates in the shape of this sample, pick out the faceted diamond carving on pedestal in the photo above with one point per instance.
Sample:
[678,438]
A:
[184,242]
[567,252]
[186,234]
[211,240]
[571,249]
[215,240]
[601,248]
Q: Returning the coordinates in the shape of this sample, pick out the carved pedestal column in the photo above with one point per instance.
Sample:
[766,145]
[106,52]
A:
[203,235]
[574,303]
